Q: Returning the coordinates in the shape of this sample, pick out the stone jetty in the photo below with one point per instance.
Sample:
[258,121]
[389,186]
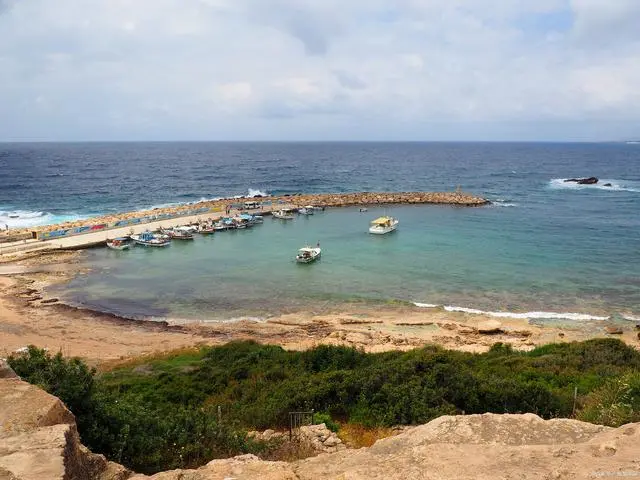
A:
[456,198]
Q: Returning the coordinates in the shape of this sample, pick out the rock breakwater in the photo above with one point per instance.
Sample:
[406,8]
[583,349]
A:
[456,198]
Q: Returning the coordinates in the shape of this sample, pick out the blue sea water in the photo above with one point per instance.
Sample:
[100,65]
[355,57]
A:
[543,246]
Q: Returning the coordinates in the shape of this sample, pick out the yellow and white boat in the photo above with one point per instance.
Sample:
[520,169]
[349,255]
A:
[382,225]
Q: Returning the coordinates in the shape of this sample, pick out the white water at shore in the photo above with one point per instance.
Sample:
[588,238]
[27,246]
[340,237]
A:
[524,315]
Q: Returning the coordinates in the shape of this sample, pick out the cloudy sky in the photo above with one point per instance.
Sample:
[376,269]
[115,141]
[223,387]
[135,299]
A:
[319,69]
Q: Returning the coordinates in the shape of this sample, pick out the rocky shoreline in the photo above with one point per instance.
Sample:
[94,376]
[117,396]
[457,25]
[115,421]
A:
[456,198]
[39,439]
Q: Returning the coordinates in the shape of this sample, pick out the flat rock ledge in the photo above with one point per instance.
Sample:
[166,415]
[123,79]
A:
[39,440]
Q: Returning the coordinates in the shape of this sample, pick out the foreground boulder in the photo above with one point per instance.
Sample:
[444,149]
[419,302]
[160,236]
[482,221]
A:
[38,440]
[488,447]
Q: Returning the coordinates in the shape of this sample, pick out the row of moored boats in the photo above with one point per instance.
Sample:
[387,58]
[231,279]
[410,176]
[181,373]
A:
[307,254]
[164,236]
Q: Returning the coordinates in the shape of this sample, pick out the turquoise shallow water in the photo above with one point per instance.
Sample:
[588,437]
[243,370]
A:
[439,255]
[544,246]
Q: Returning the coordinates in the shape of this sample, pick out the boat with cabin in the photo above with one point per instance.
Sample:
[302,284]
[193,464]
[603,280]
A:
[382,225]
[308,254]
[179,234]
[283,214]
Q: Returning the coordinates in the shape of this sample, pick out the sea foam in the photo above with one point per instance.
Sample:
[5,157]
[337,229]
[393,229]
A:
[523,315]
[26,218]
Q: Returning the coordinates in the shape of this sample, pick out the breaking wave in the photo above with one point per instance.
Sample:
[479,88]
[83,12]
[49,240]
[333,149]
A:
[525,315]
[26,218]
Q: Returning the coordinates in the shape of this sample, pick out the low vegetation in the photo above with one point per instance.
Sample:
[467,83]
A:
[183,410]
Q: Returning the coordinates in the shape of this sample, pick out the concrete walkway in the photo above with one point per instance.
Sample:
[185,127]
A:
[86,240]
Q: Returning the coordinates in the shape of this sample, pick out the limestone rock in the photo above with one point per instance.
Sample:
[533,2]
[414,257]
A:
[5,370]
[486,447]
[489,327]
[611,330]
[39,440]
[243,467]
[25,407]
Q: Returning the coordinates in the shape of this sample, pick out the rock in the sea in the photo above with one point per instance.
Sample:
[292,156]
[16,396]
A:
[489,327]
[607,185]
[583,181]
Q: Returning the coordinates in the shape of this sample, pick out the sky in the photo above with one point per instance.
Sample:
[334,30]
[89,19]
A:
[550,70]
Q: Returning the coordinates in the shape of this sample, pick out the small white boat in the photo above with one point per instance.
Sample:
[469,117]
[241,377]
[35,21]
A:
[308,254]
[308,210]
[187,228]
[382,225]
[283,214]
[148,239]
[120,243]
[179,234]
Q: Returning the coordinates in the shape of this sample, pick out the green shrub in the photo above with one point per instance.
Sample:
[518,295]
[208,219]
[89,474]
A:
[164,414]
[615,403]
[323,417]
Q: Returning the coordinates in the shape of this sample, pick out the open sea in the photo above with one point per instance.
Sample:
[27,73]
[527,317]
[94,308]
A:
[545,249]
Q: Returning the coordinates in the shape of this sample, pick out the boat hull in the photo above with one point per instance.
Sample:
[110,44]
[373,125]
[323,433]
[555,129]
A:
[152,244]
[307,260]
[382,230]
[313,255]
[119,247]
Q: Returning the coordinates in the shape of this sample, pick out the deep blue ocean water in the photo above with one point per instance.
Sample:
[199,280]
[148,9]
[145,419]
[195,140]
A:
[544,245]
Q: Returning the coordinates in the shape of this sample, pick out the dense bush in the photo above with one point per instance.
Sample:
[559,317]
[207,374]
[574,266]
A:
[615,403]
[164,414]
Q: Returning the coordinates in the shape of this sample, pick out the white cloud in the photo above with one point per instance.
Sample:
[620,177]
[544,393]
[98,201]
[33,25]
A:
[286,69]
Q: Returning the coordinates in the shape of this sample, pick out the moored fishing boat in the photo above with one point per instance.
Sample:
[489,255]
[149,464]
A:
[148,239]
[308,254]
[306,210]
[382,225]
[206,229]
[120,243]
[179,234]
[283,214]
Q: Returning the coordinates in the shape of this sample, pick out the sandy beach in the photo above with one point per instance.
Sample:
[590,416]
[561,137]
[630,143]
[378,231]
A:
[29,316]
